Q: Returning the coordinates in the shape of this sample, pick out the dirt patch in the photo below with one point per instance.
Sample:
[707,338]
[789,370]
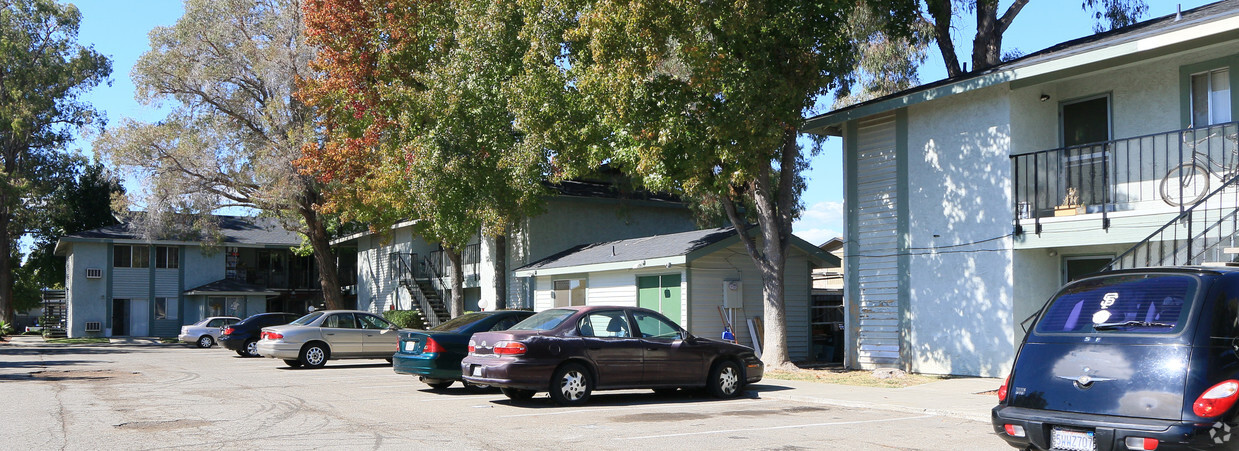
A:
[56,375]
[162,425]
[851,377]
[800,409]
[659,417]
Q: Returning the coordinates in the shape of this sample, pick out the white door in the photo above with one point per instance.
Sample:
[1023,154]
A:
[139,317]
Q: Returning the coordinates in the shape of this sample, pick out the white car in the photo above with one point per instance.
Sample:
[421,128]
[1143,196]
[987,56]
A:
[328,335]
[206,332]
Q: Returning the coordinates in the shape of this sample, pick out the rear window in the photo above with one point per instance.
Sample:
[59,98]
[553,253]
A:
[1137,303]
[545,320]
[460,323]
[307,319]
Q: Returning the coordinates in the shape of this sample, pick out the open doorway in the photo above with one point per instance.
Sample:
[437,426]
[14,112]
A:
[1075,268]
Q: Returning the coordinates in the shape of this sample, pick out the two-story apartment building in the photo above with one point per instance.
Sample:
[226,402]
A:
[118,283]
[969,201]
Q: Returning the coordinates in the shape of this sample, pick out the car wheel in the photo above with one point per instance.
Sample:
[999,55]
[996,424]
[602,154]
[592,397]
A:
[570,385]
[314,355]
[251,348]
[438,384]
[724,379]
[292,363]
[665,391]
[517,394]
[241,353]
[206,341]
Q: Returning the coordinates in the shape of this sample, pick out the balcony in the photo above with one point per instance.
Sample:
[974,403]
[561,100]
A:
[1164,173]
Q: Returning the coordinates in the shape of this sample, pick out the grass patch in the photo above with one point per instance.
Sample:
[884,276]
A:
[77,341]
[169,340]
[851,377]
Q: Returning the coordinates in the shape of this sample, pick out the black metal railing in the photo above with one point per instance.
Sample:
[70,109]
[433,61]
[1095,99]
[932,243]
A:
[438,265]
[1199,234]
[1166,171]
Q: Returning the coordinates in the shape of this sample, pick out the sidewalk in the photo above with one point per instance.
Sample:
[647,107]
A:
[35,340]
[958,397]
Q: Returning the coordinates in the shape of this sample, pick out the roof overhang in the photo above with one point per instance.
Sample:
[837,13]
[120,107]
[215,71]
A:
[230,293]
[665,262]
[356,236]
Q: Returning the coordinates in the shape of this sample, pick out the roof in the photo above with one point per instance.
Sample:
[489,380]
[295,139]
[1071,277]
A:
[657,250]
[230,287]
[1208,24]
[235,231]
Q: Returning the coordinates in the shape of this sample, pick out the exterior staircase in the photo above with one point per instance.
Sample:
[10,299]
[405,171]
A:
[54,314]
[418,278]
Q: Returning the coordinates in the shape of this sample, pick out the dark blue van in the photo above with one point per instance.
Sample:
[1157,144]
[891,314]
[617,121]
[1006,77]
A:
[1129,360]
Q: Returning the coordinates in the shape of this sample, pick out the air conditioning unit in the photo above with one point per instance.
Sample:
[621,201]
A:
[94,273]
[94,326]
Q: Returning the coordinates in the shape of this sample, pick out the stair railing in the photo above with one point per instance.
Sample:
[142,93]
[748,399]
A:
[1189,237]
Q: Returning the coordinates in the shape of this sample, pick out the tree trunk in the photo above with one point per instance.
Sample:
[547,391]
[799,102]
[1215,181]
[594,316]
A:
[987,45]
[501,271]
[774,219]
[320,241]
[457,305]
[941,12]
[6,263]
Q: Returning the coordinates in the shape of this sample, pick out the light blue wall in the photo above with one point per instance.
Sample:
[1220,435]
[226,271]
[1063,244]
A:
[87,298]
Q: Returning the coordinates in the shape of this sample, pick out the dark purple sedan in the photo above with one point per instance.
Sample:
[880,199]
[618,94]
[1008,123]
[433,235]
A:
[573,351]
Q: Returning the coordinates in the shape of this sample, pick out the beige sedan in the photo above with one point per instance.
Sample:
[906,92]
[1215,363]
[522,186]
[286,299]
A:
[325,335]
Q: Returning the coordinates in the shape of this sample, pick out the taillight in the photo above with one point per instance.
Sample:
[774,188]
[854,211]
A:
[431,347]
[270,336]
[228,330]
[1217,399]
[1002,391]
[471,347]
[509,348]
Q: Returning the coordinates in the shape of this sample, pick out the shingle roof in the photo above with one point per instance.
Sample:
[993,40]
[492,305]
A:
[649,247]
[236,230]
[229,286]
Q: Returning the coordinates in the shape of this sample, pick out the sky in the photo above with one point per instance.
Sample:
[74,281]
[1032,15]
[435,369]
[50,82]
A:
[120,32]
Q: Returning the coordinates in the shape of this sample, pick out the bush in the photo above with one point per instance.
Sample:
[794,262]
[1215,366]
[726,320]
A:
[408,319]
[6,328]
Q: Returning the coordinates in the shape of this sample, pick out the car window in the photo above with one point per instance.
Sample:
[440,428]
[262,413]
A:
[307,319]
[1131,303]
[340,321]
[654,327]
[606,324]
[506,323]
[460,323]
[372,322]
[217,322]
[544,320]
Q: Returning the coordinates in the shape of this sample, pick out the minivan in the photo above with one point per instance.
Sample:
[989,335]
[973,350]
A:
[1136,359]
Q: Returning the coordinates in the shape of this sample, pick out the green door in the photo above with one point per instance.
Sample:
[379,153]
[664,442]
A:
[661,294]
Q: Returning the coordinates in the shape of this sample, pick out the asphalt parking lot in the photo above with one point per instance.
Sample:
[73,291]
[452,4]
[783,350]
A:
[178,397]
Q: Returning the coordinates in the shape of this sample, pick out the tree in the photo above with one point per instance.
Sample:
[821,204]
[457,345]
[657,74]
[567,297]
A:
[418,124]
[701,98]
[80,202]
[43,73]
[230,70]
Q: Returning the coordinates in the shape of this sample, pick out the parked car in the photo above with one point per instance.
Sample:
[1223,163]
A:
[1135,359]
[324,335]
[572,351]
[242,337]
[434,355]
[206,332]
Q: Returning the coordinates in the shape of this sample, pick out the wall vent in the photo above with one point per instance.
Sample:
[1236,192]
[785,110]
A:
[94,273]
[94,326]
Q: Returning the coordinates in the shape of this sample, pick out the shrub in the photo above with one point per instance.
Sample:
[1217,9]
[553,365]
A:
[408,319]
[6,328]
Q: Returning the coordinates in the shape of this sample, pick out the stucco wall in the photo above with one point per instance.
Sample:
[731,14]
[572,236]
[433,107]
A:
[87,298]
[958,318]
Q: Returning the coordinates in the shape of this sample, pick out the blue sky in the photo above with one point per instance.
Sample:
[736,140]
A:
[120,32]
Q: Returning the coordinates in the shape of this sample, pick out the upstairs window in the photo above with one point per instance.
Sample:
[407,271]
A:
[1210,97]
[124,256]
[167,257]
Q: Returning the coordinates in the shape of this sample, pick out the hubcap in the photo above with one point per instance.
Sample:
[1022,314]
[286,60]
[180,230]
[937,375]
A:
[573,385]
[727,380]
[251,348]
[314,355]
[204,342]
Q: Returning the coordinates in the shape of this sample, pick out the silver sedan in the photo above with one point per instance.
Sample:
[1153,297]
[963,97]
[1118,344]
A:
[324,335]
[205,333]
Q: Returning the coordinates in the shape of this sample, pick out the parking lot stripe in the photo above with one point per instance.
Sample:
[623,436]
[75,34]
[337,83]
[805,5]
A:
[657,407]
[790,426]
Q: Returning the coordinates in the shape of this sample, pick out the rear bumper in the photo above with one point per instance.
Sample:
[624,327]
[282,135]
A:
[1110,432]
[506,372]
[187,338]
[233,342]
[424,365]
[278,350]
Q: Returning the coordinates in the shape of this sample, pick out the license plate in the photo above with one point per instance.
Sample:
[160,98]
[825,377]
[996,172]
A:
[477,370]
[410,346]
[1069,440]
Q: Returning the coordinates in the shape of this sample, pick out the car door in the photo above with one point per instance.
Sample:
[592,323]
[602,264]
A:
[343,335]
[666,357]
[381,337]
[608,341]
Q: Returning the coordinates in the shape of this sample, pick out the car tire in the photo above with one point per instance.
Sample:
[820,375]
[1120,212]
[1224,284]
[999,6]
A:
[725,380]
[571,385]
[206,341]
[517,394]
[292,363]
[241,353]
[314,355]
[438,384]
[250,348]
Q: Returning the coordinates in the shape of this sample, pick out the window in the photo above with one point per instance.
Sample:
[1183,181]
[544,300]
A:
[1121,304]
[340,321]
[167,257]
[1210,97]
[122,256]
[165,308]
[225,306]
[569,292]
[372,322]
[141,257]
[1085,122]
[609,324]
[654,327]
[214,306]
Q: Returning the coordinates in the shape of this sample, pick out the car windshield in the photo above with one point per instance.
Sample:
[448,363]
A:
[460,323]
[307,319]
[1136,303]
[545,320]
